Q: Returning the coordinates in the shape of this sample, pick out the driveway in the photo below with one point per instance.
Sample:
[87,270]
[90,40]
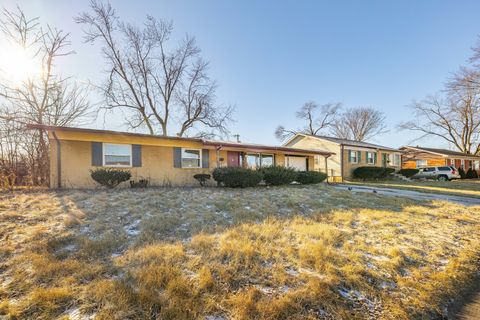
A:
[391,192]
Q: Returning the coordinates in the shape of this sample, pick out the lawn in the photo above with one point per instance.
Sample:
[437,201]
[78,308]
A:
[263,253]
[466,188]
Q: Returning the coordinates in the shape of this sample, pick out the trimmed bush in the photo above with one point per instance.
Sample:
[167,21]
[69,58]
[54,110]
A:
[218,174]
[471,174]
[237,177]
[202,178]
[372,173]
[310,177]
[109,177]
[408,172]
[277,175]
[462,173]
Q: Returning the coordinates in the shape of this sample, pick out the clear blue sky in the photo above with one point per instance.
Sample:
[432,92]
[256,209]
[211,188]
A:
[271,57]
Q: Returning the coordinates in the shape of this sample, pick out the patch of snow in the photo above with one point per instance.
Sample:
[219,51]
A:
[132,229]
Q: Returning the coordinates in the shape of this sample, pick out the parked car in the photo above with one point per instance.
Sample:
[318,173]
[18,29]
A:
[444,173]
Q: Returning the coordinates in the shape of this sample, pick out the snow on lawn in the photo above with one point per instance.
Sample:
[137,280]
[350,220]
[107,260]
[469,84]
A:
[297,252]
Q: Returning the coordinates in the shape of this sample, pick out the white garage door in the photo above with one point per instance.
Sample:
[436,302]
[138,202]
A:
[298,163]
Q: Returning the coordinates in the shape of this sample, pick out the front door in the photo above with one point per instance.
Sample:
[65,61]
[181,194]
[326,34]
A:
[233,159]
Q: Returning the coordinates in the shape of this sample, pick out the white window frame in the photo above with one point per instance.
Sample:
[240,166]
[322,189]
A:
[367,154]
[199,162]
[350,156]
[462,163]
[266,154]
[423,166]
[104,145]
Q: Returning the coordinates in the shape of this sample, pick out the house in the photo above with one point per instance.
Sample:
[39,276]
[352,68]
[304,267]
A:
[162,160]
[349,154]
[419,157]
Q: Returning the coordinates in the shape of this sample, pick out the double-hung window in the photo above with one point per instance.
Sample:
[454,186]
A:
[353,156]
[117,155]
[462,163]
[370,158]
[396,160]
[191,158]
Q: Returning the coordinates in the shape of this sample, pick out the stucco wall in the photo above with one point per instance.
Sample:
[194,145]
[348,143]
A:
[157,166]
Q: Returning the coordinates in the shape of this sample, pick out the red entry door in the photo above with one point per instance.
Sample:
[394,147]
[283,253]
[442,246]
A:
[233,159]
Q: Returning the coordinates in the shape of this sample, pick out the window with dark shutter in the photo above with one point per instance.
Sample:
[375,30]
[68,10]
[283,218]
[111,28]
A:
[97,154]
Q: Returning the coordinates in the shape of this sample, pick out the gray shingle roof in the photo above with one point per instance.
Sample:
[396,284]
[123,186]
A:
[354,143]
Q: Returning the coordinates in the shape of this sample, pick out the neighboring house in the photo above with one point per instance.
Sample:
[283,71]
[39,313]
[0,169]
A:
[419,157]
[349,154]
[162,160]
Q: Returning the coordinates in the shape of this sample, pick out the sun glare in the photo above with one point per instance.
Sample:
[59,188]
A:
[17,63]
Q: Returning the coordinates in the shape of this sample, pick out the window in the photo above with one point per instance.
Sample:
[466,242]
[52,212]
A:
[476,165]
[253,160]
[353,156]
[396,160]
[267,160]
[117,155]
[431,169]
[191,158]
[256,160]
[462,164]
[421,163]
[370,158]
[444,169]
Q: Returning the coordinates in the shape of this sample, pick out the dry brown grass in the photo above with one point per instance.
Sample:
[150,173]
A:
[266,253]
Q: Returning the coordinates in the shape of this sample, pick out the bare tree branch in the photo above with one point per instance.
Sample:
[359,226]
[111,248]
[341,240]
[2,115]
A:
[317,118]
[152,84]
[359,124]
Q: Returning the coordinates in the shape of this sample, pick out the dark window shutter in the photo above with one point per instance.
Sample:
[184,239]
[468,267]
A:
[205,158]
[359,153]
[375,158]
[349,156]
[97,154]
[177,157]
[136,155]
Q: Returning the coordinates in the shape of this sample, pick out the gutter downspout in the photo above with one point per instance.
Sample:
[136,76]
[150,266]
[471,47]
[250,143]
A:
[326,166]
[342,149]
[59,161]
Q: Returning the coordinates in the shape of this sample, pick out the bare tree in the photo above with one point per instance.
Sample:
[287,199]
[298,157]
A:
[317,118]
[152,84]
[45,97]
[359,124]
[454,116]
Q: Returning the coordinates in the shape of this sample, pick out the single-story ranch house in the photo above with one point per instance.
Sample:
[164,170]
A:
[419,157]
[348,154]
[163,160]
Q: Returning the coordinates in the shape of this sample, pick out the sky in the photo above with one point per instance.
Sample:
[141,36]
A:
[271,57]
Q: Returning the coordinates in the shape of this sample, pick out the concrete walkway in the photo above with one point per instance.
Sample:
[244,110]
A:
[466,201]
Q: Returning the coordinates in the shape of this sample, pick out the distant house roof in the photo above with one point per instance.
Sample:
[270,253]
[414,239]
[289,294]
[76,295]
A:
[441,152]
[212,143]
[352,143]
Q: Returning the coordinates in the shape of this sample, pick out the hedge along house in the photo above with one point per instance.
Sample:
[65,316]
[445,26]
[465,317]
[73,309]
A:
[420,157]
[162,160]
[348,154]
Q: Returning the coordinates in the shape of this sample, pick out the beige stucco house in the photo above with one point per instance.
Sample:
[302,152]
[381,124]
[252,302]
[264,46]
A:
[163,160]
[348,154]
